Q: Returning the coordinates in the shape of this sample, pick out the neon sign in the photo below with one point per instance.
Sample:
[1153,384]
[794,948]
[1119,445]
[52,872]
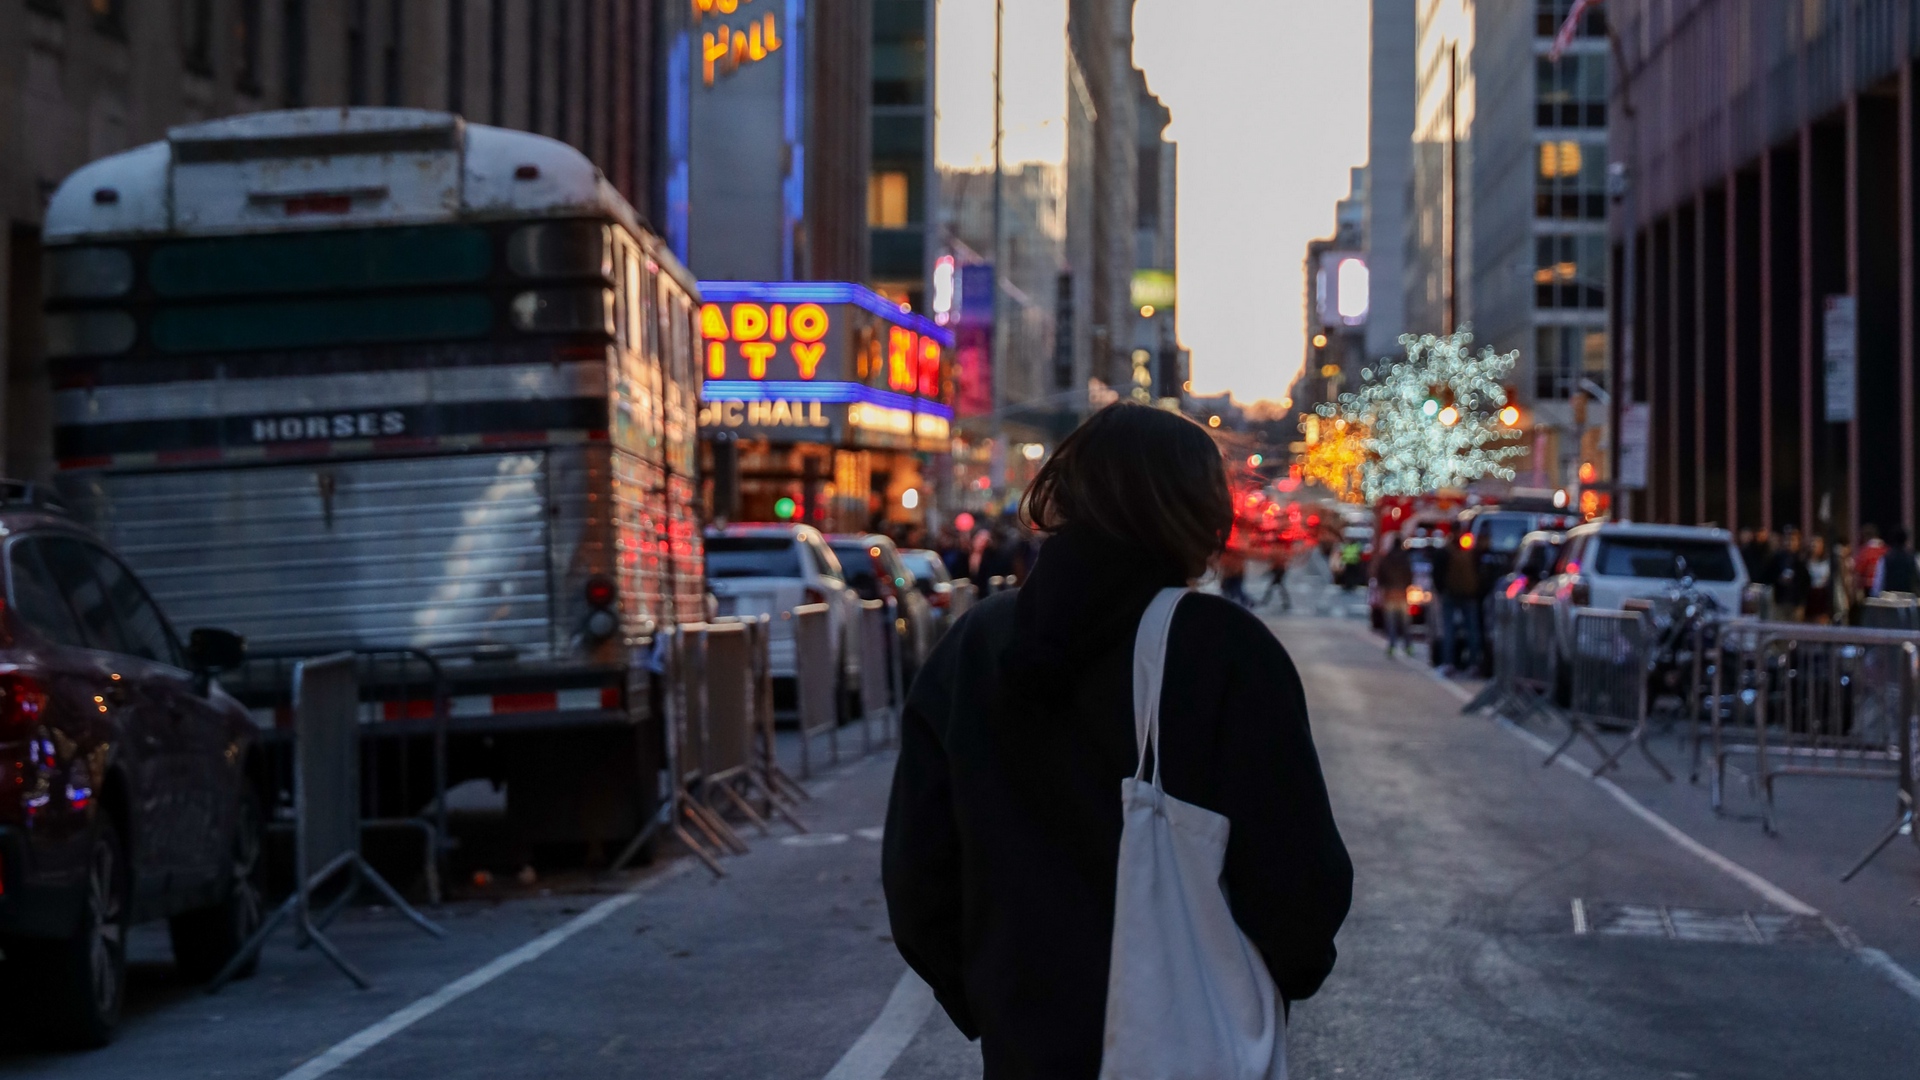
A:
[913,362]
[726,49]
[759,330]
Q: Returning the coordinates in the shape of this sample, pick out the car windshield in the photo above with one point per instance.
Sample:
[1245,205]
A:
[753,556]
[921,566]
[1664,557]
[1502,534]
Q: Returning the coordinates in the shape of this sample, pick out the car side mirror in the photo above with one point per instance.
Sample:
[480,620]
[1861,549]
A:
[216,650]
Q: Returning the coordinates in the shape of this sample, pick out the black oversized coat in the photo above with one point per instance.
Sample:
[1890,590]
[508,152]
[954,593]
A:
[1003,835]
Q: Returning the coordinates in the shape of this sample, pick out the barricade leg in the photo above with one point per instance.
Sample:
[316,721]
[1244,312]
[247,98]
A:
[1900,824]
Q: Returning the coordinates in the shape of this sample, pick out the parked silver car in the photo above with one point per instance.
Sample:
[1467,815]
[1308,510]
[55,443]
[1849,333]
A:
[772,569]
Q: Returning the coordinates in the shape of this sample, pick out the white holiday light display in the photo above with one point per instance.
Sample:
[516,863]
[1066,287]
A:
[1432,419]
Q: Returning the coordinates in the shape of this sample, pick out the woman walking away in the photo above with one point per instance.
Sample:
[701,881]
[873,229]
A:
[1003,839]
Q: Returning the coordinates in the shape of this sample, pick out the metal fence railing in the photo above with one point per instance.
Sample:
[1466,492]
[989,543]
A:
[326,821]
[1611,658]
[1804,700]
[1782,699]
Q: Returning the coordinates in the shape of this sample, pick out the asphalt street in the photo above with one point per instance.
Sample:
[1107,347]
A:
[1461,957]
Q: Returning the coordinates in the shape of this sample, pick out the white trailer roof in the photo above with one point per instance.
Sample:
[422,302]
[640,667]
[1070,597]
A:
[327,168]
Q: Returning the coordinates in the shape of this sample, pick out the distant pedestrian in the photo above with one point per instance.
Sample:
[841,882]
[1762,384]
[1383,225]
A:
[1233,577]
[1866,561]
[1393,576]
[1003,836]
[1787,575]
[1826,584]
[1277,581]
[1458,586]
[1896,572]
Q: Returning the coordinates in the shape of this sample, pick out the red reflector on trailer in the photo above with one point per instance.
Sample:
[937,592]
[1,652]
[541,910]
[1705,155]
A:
[609,697]
[536,702]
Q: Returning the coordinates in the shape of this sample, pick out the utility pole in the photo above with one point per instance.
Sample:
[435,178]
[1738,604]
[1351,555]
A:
[997,370]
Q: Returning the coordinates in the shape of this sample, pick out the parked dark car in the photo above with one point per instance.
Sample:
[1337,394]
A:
[930,576]
[129,780]
[875,571]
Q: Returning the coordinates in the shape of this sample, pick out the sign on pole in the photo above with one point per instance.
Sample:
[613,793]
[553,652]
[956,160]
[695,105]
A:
[1842,352]
[1633,445]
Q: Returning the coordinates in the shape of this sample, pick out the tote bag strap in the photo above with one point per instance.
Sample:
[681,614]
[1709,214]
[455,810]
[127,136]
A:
[1149,671]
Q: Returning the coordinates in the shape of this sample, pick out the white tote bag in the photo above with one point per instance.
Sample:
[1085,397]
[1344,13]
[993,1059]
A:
[1188,996]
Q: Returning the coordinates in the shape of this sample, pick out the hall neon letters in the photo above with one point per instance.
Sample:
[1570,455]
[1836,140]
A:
[726,49]
[777,413]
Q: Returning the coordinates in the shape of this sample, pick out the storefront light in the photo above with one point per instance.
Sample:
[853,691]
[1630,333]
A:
[910,499]
[1033,451]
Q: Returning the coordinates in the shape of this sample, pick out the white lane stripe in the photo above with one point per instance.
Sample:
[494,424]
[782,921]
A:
[1885,964]
[875,1051]
[1905,980]
[369,1037]
[1768,891]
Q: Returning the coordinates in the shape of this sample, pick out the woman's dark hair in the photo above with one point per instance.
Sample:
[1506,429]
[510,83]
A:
[1144,476]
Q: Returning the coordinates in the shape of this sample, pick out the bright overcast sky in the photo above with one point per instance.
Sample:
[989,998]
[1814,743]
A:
[1269,101]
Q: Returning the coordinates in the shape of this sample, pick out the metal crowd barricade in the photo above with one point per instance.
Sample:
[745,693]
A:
[403,712]
[816,682]
[876,685]
[1611,657]
[327,822]
[779,792]
[1894,611]
[1534,657]
[1503,616]
[1815,701]
[961,600]
[728,762]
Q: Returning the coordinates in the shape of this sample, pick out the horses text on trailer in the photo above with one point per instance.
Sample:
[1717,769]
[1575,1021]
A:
[384,379]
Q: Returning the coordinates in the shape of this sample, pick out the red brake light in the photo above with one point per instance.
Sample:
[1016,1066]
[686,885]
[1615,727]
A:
[22,703]
[601,591]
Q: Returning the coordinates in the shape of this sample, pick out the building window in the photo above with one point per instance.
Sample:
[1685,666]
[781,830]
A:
[887,200]
[1147,191]
[1551,15]
[1572,91]
[109,16]
[196,36]
[1570,272]
[293,44]
[1565,356]
[246,46]
[1571,183]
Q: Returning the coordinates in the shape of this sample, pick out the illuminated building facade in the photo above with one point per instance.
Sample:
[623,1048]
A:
[903,186]
[825,394]
[1339,298]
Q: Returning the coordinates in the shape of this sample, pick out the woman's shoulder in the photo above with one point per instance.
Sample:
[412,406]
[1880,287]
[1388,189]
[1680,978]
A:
[1225,629]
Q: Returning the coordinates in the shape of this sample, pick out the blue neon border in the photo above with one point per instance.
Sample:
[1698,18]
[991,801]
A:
[823,292]
[826,392]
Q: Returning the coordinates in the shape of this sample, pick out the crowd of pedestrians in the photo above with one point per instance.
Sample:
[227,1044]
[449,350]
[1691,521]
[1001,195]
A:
[1810,578]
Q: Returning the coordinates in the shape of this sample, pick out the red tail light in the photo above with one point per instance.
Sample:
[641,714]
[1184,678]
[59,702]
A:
[939,599]
[23,701]
[601,591]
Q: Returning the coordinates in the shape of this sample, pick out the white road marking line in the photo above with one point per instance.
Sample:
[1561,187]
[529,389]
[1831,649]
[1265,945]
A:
[1901,978]
[875,1051]
[1885,964]
[369,1037]
[876,834]
[814,839]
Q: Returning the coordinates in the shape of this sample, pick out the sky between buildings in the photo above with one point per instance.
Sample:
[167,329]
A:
[1269,101]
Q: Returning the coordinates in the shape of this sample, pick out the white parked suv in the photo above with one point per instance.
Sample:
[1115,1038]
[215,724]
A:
[1606,564]
[772,569]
